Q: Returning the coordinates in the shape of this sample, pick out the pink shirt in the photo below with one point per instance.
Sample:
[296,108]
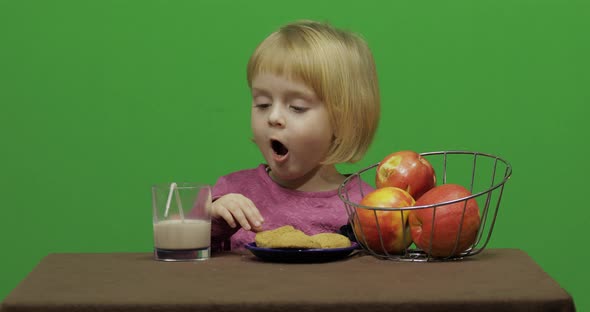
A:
[310,212]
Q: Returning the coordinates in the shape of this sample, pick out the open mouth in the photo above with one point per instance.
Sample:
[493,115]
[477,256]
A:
[279,148]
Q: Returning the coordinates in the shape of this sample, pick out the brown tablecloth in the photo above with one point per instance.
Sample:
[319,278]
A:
[495,280]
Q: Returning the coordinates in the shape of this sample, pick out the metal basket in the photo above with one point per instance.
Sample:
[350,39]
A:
[484,175]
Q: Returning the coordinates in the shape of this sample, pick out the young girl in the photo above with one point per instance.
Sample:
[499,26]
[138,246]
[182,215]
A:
[315,103]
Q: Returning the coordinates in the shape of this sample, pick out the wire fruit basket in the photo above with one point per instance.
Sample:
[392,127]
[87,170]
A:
[483,175]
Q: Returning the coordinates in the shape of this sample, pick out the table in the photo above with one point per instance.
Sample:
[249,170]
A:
[495,280]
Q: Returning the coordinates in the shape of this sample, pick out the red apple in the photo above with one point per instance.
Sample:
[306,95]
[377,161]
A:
[392,224]
[407,170]
[447,220]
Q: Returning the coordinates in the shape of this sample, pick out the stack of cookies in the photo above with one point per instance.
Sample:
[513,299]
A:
[289,237]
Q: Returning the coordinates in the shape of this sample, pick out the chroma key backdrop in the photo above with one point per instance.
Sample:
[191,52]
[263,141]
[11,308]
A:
[101,99]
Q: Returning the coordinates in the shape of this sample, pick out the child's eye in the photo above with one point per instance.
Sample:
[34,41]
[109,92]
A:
[298,109]
[262,106]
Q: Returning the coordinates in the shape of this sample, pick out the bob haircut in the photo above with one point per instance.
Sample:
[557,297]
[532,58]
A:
[339,67]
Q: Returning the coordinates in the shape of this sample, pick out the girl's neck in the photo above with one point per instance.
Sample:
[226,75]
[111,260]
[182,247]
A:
[322,178]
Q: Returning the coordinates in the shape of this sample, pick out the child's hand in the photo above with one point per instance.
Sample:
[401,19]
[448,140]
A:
[236,207]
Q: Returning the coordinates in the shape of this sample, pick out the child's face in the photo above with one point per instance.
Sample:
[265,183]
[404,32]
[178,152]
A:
[290,125]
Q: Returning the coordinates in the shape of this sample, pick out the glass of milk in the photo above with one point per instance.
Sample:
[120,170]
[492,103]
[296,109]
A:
[182,224]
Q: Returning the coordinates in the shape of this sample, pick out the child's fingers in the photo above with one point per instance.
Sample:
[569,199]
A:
[240,217]
[227,216]
[257,229]
[238,209]
[253,215]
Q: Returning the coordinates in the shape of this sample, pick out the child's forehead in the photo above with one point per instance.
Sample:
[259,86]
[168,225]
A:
[285,68]
[265,81]
[265,76]
[291,62]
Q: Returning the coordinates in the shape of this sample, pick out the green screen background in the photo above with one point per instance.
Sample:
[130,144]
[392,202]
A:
[101,99]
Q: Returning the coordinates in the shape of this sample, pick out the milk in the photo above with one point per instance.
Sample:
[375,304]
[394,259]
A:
[178,234]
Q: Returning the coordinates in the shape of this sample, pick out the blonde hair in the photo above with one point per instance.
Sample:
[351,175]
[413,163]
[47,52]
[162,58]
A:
[339,67]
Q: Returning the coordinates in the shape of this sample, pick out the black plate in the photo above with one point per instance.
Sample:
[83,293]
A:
[300,255]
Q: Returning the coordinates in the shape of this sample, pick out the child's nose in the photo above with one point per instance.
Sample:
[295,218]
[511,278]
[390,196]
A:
[276,117]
